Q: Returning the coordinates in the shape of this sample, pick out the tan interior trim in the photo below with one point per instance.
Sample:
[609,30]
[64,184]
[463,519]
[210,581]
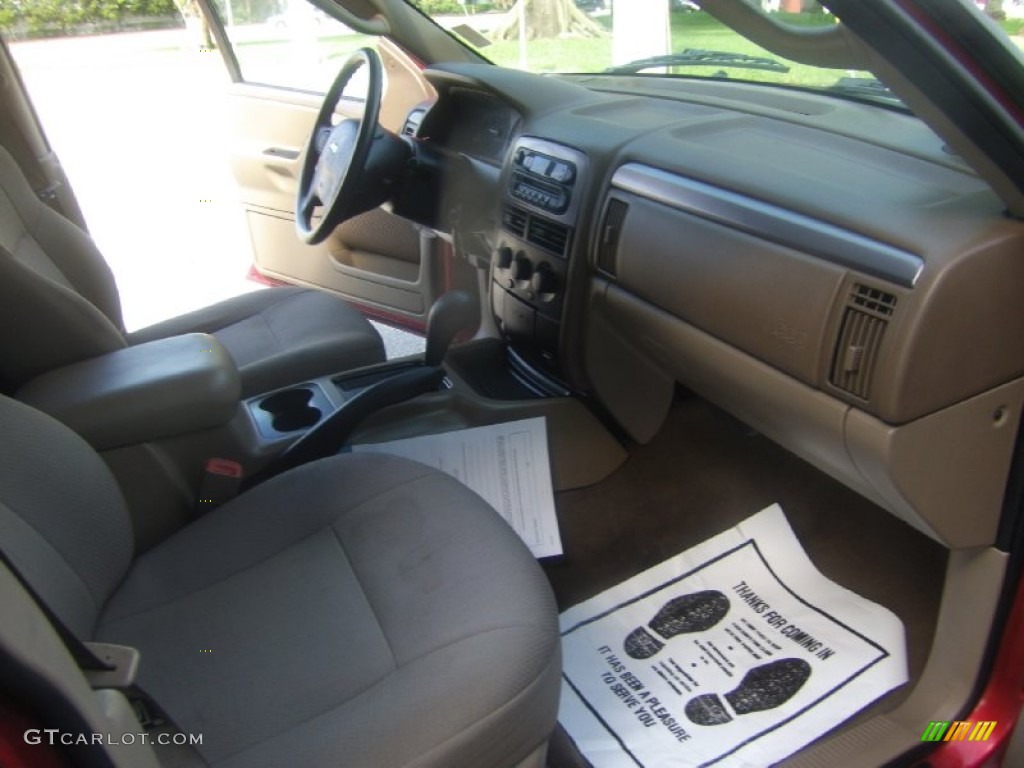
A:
[407,87]
[581,450]
[969,601]
[944,473]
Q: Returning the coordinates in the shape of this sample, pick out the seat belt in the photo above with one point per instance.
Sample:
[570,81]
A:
[104,665]
[85,657]
[114,666]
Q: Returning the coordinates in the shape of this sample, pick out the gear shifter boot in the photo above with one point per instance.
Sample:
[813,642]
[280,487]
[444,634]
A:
[451,313]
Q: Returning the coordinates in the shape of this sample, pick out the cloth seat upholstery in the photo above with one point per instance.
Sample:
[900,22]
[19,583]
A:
[59,305]
[361,610]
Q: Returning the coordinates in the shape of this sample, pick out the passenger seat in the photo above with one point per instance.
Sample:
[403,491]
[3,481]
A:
[361,610]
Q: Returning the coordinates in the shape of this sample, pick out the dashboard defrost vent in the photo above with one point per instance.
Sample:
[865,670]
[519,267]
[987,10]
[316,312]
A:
[514,220]
[608,239]
[865,318]
[548,235]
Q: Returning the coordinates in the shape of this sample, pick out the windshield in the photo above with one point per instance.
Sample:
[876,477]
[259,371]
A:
[663,38]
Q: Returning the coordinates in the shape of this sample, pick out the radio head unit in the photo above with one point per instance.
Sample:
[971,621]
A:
[542,180]
[553,198]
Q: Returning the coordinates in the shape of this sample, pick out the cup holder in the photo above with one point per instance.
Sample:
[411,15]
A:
[291,410]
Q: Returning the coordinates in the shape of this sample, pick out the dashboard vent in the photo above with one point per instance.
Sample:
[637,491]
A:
[873,300]
[514,220]
[865,318]
[412,122]
[611,229]
[548,235]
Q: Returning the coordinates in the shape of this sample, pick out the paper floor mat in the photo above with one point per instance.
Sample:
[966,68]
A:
[737,652]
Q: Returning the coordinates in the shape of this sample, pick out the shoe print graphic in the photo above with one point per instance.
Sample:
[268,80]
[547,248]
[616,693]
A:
[765,687]
[694,612]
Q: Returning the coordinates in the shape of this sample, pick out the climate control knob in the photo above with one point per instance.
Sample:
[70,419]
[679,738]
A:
[521,268]
[504,256]
[544,279]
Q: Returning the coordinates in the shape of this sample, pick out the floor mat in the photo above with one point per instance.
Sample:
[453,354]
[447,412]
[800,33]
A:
[702,474]
[736,652]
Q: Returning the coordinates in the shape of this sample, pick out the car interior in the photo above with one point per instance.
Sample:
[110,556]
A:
[718,295]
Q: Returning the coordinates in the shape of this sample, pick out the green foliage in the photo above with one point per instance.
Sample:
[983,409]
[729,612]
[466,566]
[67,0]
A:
[1013,27]
[42,17]
[434,7]
[696,29]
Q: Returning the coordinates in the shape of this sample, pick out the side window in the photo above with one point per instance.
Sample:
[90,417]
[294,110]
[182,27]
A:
[134,111]
[298,47]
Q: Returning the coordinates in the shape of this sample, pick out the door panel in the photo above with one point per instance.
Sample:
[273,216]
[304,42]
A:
[376,260]
[379,261]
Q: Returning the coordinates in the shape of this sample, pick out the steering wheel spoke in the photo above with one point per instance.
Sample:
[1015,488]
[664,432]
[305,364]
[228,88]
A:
[306,204]
[320,137]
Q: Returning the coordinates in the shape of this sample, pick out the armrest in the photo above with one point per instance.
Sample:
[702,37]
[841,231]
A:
[159,389]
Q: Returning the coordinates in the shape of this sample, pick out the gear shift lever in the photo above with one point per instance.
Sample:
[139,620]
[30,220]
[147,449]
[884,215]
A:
[450,314]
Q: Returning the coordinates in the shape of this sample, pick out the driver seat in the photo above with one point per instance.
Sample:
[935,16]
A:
[59,305]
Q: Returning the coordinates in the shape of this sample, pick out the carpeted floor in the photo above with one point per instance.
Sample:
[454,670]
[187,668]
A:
[703,474]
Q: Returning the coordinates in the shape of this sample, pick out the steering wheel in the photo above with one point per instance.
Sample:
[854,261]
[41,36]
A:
[350,167]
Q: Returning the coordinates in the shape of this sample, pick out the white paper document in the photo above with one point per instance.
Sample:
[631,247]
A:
[506,464]
[737,652]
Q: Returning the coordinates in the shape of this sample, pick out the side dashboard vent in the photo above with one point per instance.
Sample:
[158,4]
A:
[514,220]
[608,236]
[412,122]
[548,235]
[865,319]
[873,300]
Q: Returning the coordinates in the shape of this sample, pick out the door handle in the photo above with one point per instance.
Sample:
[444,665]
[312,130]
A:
[281,152]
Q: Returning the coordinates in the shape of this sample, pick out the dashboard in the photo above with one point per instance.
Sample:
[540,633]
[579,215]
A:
[474,123]
[824,270]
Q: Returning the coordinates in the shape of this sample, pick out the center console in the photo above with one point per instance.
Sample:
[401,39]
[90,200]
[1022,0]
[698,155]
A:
[539,214]
[161,389]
